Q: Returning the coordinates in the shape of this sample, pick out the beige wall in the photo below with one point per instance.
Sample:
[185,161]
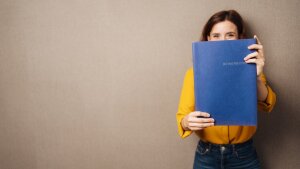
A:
[95,84]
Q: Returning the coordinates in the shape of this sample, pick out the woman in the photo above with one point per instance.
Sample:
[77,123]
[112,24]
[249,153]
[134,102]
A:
[223,146]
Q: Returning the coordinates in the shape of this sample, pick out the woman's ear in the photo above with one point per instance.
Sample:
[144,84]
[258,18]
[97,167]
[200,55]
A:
[208,38]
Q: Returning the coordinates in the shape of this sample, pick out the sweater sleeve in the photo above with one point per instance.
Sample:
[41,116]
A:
[269,103]
[186,103]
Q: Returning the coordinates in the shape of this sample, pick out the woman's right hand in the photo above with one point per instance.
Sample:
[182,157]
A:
[197,121]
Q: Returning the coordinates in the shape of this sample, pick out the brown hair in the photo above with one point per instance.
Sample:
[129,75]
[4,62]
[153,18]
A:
[229,15]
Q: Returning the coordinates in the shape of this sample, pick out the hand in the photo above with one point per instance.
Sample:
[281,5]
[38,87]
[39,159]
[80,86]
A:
[256,57]
[197,121]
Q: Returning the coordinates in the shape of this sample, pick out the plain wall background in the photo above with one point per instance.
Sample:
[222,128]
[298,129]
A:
[95,83]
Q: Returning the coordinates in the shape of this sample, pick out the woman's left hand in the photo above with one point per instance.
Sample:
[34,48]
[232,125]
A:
[256,57]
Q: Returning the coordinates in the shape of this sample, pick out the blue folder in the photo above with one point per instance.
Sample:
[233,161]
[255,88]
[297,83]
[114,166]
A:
[225,85]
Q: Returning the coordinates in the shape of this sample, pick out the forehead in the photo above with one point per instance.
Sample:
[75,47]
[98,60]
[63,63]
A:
[223,27]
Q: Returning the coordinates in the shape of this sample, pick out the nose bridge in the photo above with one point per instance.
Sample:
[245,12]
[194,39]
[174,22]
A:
[223,37]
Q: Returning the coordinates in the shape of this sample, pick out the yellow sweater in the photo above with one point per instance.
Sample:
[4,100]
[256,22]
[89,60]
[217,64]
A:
[217,134]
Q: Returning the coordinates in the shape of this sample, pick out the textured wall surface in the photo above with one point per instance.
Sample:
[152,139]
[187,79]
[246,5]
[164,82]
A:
[95,83]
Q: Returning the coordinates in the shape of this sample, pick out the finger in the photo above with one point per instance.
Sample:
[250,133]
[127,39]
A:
[251,61]
[194,114]
[204,114]
[202,125]
[251,55]
[255,46]
[195,128]
[203,120]
[258,41]
[199,113]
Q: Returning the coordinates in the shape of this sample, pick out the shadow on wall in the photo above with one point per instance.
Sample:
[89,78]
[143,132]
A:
[278,133]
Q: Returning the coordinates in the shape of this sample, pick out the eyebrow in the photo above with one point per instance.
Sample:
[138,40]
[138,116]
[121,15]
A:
[214,34]
[219,33]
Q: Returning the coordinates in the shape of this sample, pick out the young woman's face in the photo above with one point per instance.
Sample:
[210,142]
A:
[225,30]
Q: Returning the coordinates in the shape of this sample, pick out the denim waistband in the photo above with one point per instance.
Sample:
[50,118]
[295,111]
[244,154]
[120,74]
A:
[227,146]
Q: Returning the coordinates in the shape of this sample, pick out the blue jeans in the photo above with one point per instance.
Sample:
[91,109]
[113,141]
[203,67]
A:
[227,156]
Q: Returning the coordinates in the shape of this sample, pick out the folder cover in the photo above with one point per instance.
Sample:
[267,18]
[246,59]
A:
[225,85]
